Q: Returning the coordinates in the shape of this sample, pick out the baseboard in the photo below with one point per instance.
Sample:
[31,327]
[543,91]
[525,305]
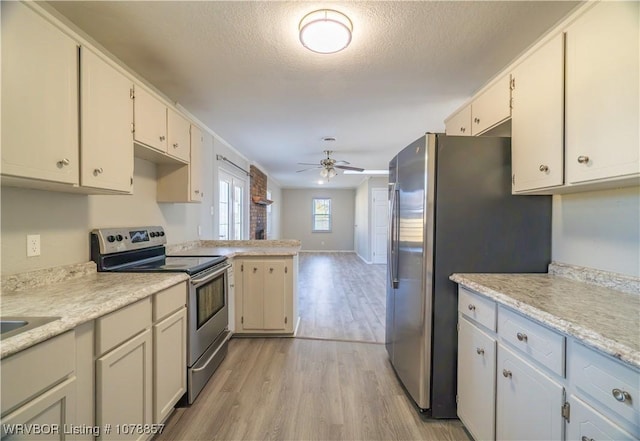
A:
[326,251]
[364,260]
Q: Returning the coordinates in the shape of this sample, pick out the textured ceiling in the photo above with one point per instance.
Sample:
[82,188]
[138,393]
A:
[240,68]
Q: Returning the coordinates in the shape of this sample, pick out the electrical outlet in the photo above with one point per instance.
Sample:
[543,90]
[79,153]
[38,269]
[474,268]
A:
[199,231]
[33,245]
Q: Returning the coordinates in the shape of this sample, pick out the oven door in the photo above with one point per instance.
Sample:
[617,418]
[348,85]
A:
[208,309]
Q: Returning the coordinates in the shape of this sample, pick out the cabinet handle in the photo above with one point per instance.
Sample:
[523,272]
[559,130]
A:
[162,138]
[196,191]
[543,168]
[97,171]
[471,307]
[584,438]
[480,351]
[462,129]
[621,395]
[175,145]
[506,373]
[583,159]
[476,120]
[522,336]
[63,162]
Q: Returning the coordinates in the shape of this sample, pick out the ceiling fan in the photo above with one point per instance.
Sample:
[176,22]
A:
[329,165]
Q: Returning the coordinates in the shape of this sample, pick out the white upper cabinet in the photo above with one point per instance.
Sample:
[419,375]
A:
[178,134]
[460,123]
[602,93]
[537,121]
[195,164]
[150,118]
[107,114]
[492,107]
[39,98]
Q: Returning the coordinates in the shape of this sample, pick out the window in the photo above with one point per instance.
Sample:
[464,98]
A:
[321,215]
[231,221]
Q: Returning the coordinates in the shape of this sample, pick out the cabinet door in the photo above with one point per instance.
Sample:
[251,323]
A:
[602,105]
[528,405]
[124,386]
[178,130]
[274,294]
[587,424]
[460,123]
[39,98]
[107,115]
[195,164]
[150,117]
[537,121]
[252,294]
[476,380]
[492,107]
[53,409]
[169,363]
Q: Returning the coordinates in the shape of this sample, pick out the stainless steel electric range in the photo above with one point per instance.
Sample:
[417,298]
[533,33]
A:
[142,249]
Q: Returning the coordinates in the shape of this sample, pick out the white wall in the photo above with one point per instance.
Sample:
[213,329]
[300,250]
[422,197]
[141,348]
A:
[64,220]
[276,209]
[296,218]
[598,230]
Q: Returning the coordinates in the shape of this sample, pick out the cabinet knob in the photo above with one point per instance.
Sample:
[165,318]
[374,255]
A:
[270,270]
[543,168]
[196,191]
[255,270]
[175,145]
[480,351]
[97,171]
[521,336]
[63,162]
[583,159]
[506,373]
[162,138]
[471,307]
[621,395]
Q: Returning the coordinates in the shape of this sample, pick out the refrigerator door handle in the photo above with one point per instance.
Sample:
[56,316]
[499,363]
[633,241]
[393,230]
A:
[395,237]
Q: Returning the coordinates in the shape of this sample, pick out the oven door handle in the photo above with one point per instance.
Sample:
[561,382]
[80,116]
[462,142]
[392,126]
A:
[207,276]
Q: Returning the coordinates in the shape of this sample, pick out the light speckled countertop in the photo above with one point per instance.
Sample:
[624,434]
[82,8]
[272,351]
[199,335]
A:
[603,318]
[76,301]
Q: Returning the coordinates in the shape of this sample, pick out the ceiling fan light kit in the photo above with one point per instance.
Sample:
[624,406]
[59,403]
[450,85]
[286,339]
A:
[329,165]
[325,31]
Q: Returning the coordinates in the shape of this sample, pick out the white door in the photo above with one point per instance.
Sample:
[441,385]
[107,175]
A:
[380,223]
[231,206]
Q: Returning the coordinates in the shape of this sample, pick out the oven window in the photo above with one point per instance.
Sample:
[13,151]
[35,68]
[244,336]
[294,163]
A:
[210,299]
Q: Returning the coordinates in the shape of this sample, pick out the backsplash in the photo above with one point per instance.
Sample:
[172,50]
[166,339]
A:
[619,282]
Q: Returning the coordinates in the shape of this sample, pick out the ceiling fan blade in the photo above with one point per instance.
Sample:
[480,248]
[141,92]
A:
[305,169]
[346,167]
[343,162]
[307,163]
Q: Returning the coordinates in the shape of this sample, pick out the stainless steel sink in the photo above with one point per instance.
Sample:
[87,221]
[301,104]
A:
[10,326]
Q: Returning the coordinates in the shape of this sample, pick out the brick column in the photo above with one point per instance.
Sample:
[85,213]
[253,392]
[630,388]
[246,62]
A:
[257,212]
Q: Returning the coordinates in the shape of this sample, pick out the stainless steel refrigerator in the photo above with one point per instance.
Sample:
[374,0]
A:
[451,210]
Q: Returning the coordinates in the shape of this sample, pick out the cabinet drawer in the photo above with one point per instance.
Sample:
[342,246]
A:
[169,300]
[40,366]
[478,308]
[119,326]
[541,344]
[602,377]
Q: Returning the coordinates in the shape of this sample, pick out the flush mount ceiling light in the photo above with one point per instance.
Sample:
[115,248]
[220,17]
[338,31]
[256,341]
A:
[325,31]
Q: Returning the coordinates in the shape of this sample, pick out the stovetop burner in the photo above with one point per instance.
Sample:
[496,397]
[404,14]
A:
[189,265]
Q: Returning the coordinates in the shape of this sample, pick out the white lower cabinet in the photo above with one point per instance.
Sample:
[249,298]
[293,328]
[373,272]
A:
[589,425]
[476,380]
[169,363]
[124,388]
[529,403]
[47,417]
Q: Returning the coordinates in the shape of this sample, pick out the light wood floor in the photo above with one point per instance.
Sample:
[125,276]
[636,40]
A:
[341,298]
[299,389]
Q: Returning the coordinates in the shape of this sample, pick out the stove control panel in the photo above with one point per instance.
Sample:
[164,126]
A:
[116,240]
